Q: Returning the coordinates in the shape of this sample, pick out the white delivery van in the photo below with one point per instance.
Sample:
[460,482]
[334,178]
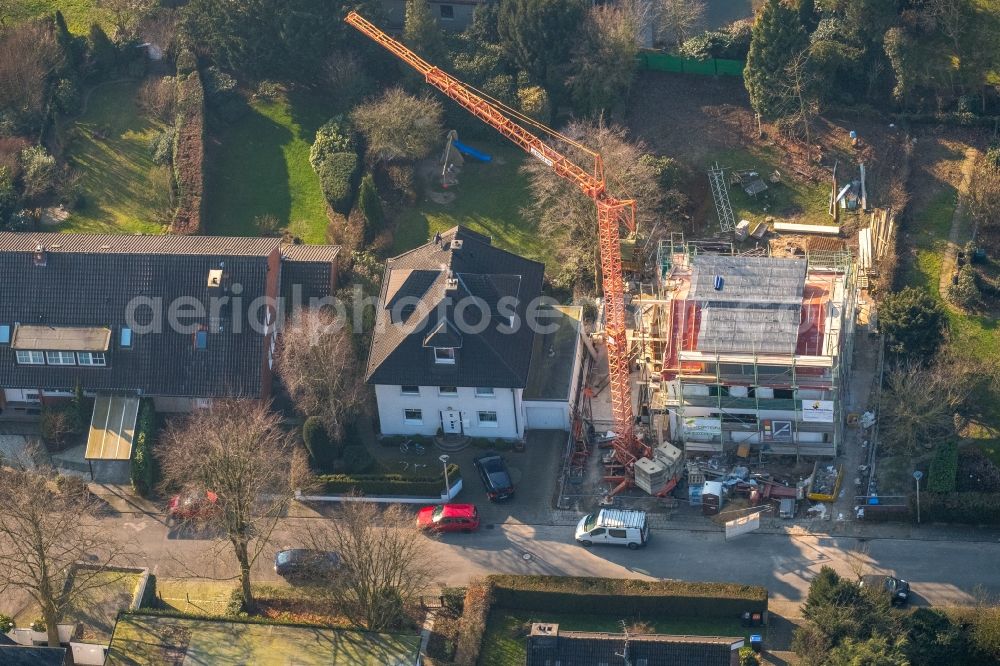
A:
[614,526]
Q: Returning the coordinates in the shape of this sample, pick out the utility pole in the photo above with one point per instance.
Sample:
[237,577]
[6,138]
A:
[917,476]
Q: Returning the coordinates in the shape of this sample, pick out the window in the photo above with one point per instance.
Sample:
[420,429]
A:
[91,358]
[617,534]
[60,358]
[201,340]
[444,355]
[413,416]
[125,339]
[784,394]
[484,391]
[30,357]
[448,390]
[447,12]
[409,390]
[488,419]
[4,335]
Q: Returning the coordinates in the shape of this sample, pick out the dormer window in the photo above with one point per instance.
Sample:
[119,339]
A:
[444,355]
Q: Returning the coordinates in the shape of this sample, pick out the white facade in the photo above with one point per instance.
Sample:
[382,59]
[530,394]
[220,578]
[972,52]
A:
[476,412]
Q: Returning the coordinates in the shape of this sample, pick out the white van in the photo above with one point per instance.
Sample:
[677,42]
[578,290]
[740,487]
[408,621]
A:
[614,526]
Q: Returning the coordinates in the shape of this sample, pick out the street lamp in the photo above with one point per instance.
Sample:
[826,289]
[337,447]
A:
[444,461]
[917,476]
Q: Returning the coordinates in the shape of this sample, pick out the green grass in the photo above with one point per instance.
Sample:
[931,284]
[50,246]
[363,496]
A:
[148,639]
[123,191]
[190,595]
[106,594]
[506,631]
[259,165]
[489,198]
[791,200]
[79,14]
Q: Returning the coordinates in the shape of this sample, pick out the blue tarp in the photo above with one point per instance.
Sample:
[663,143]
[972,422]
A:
[471,152]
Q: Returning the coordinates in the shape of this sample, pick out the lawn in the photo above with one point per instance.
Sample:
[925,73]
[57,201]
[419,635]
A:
[192,595]
[974,336]
[259,165]
[489,198]
[123,191]
[791,200]
[506,632]
[148,639]
[79,14]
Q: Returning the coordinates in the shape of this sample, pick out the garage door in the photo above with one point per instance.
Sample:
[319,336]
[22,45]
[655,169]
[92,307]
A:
[545,418]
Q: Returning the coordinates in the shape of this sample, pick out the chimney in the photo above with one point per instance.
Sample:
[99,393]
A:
[544,636]
[456,245]
[41,256]
[451,282]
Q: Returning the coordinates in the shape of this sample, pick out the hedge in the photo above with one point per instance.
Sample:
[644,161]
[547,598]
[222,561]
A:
[944,468]
[337,175]
[475,615]
[144,469]
[615,596]
[388,484]
[189,154]
[965,508]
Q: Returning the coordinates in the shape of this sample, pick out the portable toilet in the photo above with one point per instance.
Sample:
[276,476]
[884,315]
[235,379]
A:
[711,498]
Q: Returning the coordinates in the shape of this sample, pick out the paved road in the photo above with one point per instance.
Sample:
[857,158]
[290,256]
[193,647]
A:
[942,572]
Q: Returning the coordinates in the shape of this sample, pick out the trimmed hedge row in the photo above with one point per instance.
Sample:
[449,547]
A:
[387,484]
[627,597]
[189,154]
[944,468]
[337,176]
[965,508]
[144,466]
[475,614]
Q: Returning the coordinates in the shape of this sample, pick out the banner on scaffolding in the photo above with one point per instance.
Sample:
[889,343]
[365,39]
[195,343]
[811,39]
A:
[706,427]
[817,411]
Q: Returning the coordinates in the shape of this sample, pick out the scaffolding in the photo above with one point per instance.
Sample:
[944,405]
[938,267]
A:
[741,393]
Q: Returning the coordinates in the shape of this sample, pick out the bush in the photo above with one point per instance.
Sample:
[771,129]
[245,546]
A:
[965,508]
[357,459]
[976,472]
[38,624]
[944,467]
[59,424]
[145,469]
[388,484]
[534,103]
[475,613]
[67,96]
[321,449]
[336,176]
[72,485]
[748,657]
[333,137]
[187,62]
[371,207]
[6,623]
[189,155]
[965,293]
[161,146]
[627,597]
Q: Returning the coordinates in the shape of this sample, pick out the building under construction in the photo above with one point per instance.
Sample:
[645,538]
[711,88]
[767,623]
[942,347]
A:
[746,353]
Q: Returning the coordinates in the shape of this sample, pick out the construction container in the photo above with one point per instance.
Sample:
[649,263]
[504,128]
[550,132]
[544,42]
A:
[711,498]
[742,230]
[759,231]
[825,482]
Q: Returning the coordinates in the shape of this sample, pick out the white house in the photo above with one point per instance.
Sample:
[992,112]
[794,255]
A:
[464,343]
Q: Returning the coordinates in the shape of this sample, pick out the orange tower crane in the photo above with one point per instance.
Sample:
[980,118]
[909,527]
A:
[611,213]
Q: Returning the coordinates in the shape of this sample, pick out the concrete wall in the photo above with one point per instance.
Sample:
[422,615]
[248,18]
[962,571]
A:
[505,402]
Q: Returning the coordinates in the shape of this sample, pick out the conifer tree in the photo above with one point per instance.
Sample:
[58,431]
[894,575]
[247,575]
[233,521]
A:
[776,39]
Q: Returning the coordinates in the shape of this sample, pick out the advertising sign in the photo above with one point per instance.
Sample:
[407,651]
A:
[817,411]
[707,427]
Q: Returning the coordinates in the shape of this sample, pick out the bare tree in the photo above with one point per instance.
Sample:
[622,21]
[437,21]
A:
[800,92]
[400,126]
[238,451]
[44,531]
[951,17]
[29,54]
[567,218]
[386,561]
[984,194]
[320,366]
[679,19]
[604,62]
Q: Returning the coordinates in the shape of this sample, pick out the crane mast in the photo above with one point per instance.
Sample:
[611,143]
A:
[611,214]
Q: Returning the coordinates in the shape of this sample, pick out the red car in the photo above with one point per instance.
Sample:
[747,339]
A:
[193,505]
[449,518]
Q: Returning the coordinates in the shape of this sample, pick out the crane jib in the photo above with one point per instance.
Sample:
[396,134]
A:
[541,157]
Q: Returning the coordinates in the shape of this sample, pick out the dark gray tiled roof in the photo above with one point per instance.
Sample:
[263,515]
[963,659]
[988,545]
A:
[435,278]
[21,655]
[90,281]
[579,648]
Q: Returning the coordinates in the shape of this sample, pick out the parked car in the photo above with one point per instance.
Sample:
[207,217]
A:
[193,505]
[449,518]
[619,527]
[304,562]
[496,478]
[897,588]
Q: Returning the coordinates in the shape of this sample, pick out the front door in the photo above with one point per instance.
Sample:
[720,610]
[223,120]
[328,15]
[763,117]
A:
[451,421]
